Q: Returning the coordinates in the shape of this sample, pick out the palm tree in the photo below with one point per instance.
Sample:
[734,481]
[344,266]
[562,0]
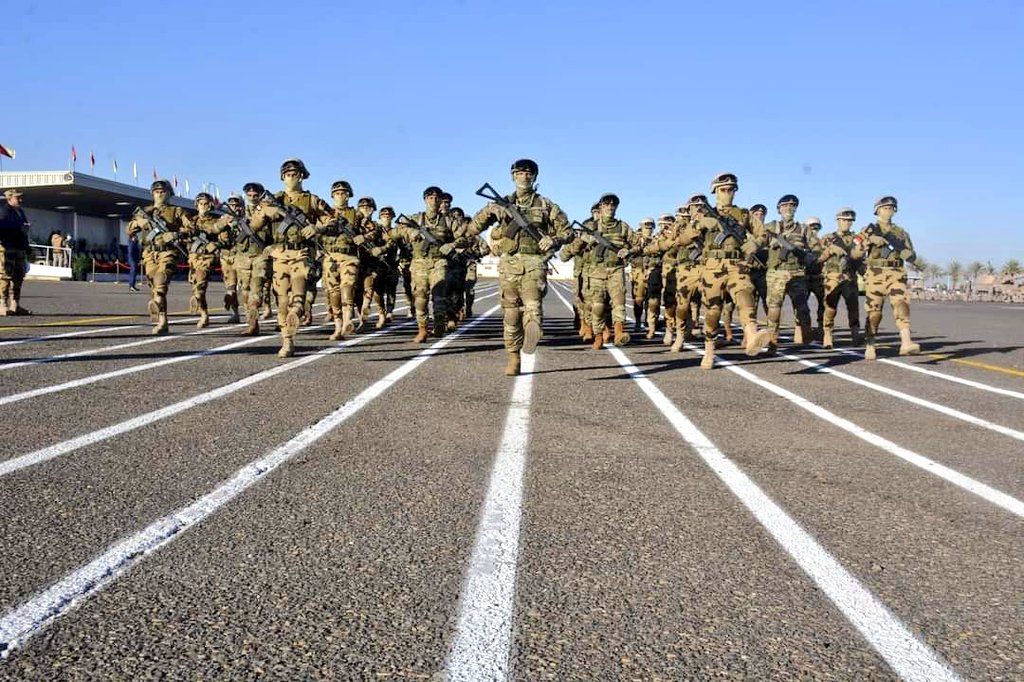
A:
[955,272]
[973,270]
[1012,268]
[933,271]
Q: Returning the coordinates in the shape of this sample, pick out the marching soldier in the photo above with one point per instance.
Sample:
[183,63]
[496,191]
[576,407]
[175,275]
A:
[522,271]
[160,249]
[728,245]
[792,247]
[203,234]
[251,260]
[839,259]
[392,270]
[371,268]
[816,280]
[226,240]
[293,244]
[640,270]
[888,248]
[458,265]
[759,264]
[341,261]
[429,266]
[688,271]
[667,247]
[474,252]
[607,276]
[14,250]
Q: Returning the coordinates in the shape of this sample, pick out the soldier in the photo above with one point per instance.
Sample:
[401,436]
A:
[204,233]
[474,252]
[293,244]
[458,265]
[446,203]
[816,280]
[759,264]
[251,261]
[160,251]
[887,247]
[341,262]
[728,246]
[688,270]
[607,276]
[577,250]
[429,266]
[392,263]
[839,261]
[791,248]
[14,250]
[640,269]
[668,248]
[404,254]
[371,268]
[523,271]
[226,244]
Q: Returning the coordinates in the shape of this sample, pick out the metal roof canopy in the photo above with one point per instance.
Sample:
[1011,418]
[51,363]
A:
[89,195]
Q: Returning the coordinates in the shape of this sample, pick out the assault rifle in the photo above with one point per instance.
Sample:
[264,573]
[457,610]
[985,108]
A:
[520,223]
[602,242]
[238,221]
[292,215]
[199,242]
[157,227]
[803,255]
[895,244]
[424,232]
[844,260]
[730,228]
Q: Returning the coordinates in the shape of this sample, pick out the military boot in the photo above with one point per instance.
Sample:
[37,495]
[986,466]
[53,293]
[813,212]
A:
[586,331]
[204,320]
[161,325]
[798,335]
[154,310]
[728,333]
[826,338]
[621,335]
[346,322]
[382,318]
[638,313]
[329,316]
[287,347]
[708,361]
[231,303]
[907,345]
[512,367]
[193,305]
[532,335]
[252,319]
[421,334]
[339,331]
[307,317]
[677,344]
[856,338]
[451,326]
[773,342]
[598,341]
[869,348]
[668,332]
[607,333]
[652,324]
[754,340]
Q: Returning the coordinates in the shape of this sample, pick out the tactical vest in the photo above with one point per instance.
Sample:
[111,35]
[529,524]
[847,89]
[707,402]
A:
[441,229]
[875,256]
[244,245]
[292,237]
[796,234]
[729,247]
[207,226]
[839,264]
[175,219]
[342,243]
[618,236]
[537,214]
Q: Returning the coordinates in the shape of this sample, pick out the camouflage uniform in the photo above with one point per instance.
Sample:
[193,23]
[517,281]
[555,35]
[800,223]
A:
[252,264]
[372,269]
[839,259]
[473,253]
[728,246]
[226,240]
[816,280]
[204,236]
[160,253]
[787,272]
[458,267]
[606,279]
[522,269]
[390,258]
[293,246]
[641,269]
[576,250]
[886,276]
[340,264]
[669,250]
[14,250]
[759,263]
[688,271]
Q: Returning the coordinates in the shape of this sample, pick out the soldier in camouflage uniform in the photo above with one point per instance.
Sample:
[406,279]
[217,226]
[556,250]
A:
[446,204]
[887,247]
[787,270]
[293,246]
[606,280]
[160,252]
[457,268]
[203,233]
[577,249]
[816,280]
[15,249]
[429,266]
[341,262]
[391,260]
[226,241]
[839,259]
[251,260]
[728,246]
[640,270]
[759,264]
[523,269]
[667,247]
[688,271]
[372,271]
[473,253]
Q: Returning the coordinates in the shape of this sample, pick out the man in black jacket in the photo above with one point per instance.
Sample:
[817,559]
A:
[14,248]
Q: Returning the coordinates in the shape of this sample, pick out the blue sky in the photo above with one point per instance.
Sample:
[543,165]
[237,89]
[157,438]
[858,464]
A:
[838,103]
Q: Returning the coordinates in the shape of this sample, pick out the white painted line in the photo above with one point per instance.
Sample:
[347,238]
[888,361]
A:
[30,617]
[100,330]
[986,492]
[65,447]
[943,409]
[483,638]
[910,658]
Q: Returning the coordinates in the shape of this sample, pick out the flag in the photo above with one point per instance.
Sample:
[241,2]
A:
[186,186]
[174,180]
[135,170]
[74,155]
[115,166]
[7,151]
[216,191]
[92,160]
[154,173]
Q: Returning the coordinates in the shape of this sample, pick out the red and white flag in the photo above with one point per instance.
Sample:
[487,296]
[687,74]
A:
[7,151]
[74,155]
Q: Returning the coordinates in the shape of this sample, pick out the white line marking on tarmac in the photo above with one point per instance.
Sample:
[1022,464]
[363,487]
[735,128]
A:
[483,638]
[30,617]
[986,492]
[64,447]
[67,335]
[948,411]
[910,658]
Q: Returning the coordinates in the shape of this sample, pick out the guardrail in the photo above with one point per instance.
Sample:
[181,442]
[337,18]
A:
[58,257]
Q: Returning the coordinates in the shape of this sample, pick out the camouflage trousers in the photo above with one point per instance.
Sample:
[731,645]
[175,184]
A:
[230,275]
[718,278]
[839,285]
[880,282]
[578,300]
[668,292]
[456,288]
[470,288]
[252,271]
[159,267]
[12,274]
[372,279]
[405,273]
[316,273]
[290,271]
[200,267]
[340,272]
[759,278]
[816,288]
[523,281]
[606,284]
[688,293]
[430,286]
[646,290]
[782,283]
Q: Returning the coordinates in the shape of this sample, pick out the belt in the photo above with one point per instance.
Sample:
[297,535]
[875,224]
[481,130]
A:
[885,263]
[345,250]
[724,254]
[791,267]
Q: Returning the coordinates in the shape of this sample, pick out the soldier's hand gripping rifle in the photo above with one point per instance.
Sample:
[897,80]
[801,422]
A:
[424,232]
[730,228]
[894,244]
[292,215]
[238,221]
[519,222]
[602,242]
[345,228]
[803,255]
[157,227]
[199,242]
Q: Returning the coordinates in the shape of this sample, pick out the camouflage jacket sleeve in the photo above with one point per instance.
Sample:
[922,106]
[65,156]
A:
[560,231]
[907,254]
[484,218]
[320,213]
[688,233]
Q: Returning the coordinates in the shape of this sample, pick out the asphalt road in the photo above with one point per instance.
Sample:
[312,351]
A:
[192,507]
